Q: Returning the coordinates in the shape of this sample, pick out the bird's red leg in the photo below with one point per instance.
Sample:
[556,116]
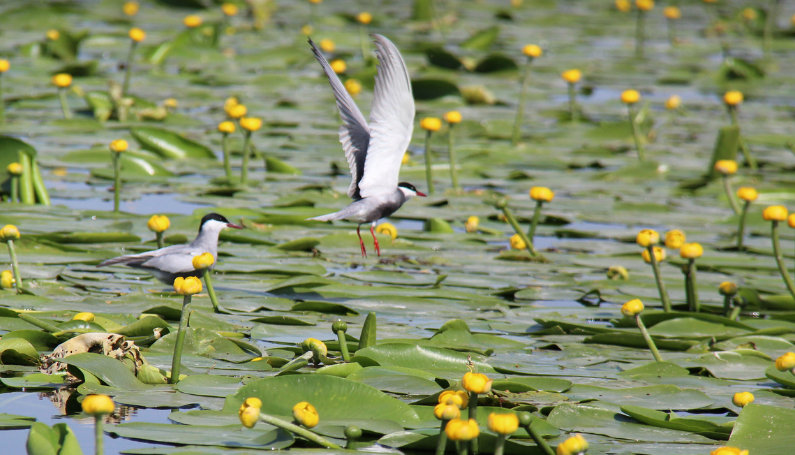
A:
[375,240]
[361,242]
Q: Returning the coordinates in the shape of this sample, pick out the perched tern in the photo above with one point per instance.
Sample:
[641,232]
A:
[168,263]
[374,151]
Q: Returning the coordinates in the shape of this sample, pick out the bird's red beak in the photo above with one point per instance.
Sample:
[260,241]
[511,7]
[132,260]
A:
[234,226]
[421,194]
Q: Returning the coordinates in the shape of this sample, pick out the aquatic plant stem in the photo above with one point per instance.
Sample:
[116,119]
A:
[225,150]
[655,266]
[472,414]
[531,233]
[517,122]
[208,281]
[689,270]
[741,226]
[125,86]
[116,180]
[14,266]
[99,441]
[346,356]
[727,305]
[298,430]
[727,187]
[428,170]
[640,35]
[67,113]
[518,229]
[636,133]
[749,159]
[246,156]
[159,239]
[451,157]
[573,104]
[735,312]
[441,441]
[180,343]
[499,445]
[539,440]
[782,268]
[647,338]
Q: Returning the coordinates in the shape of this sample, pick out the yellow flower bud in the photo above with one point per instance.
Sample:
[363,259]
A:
[623,5]
[353,86]
[749,14]
[647,237]
[62,80]
[229,9]
[158,223]
[747,193]
[733,97]
[305,414]
[617,272]
[674,239]
[786,362]
[476,382]
[130,8]
[444,411]
[691,250]
[726,167]
[572,446]
[659,254]
[53,34]
[170,103]
[327,45]
[14,169]
[4,65]
[503,423]
[791,220]
[472,224]
[431,124]
[517,242]
[251,123]
[313,344]
[192,21]
[137,35]
[388,229]
[187,286]
[673,102]
[83,316]
[98,405]
[119,145]
[672,12]
[630,96]
[7,279]
[644,5]
[226,127]
[203,261]
[462,430]
[230,102]
[541,193]
[742,398]
[727,450]
[532,50]
[307,29]
[632,307]
[452,117]
[248,415]
[571,76]
[338,65]
[775,213]
[364,18]
[727,288]
[252,402]
[9,232]
[459,398]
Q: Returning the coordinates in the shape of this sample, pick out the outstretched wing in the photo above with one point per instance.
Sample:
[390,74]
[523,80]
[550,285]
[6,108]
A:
[391,121]
[354,133]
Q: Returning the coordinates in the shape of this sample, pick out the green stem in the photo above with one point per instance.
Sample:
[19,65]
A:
[246,153]
[300,431]
[67,113]
[735,312]
[539,440]
[116,180]
[782,268]
[636,134]
[15,266]
[500,444]
[727,186]
[690,286]
[125,86]
[99,441]
[39,188]
[211,291]
[640,35]
[451,156]
[38,323]
[741,227]
[179,344]
[27,194]
[441,441]
[428,171]
[473,414]
[518,229]
[159,239]
[727,305]
[14,188]
[517,123]
[346,356]
[462,447]
[225,149]
[531,233]
[573,104]
[297,363]
[666,301]
[647,337]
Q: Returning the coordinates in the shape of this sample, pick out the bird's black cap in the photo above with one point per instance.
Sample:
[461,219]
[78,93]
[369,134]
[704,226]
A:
[408,186]
[212,216]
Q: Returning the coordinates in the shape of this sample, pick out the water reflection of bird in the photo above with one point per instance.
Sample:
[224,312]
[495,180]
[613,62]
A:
[168,263]
[374,151]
